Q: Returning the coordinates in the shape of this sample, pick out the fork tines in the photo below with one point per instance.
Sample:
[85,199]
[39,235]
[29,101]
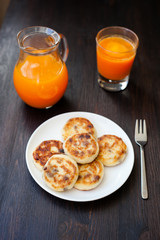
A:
[141,127]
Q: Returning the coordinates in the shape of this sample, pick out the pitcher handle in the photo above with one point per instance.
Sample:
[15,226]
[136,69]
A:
[64,45]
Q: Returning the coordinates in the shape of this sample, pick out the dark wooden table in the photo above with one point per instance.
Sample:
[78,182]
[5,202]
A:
[26,210]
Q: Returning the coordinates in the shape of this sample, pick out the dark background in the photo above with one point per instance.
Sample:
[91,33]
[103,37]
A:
[26,210]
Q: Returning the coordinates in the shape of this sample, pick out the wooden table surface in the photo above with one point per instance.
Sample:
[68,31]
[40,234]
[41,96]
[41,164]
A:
[26,210]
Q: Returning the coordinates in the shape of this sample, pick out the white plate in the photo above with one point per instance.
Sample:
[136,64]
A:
[114,177]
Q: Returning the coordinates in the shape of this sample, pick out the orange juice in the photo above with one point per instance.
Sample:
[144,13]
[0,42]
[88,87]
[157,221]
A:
[115,56]
[41,80]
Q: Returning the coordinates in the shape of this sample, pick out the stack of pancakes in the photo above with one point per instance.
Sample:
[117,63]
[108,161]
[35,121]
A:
[79,161]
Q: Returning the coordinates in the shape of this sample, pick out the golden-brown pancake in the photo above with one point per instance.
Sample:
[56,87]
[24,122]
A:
[82,147]
[45,150]
[90,175]
[112,150]
[60,172]
[78,125]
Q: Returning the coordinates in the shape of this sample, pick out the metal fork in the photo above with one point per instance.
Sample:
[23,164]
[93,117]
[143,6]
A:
[141,140]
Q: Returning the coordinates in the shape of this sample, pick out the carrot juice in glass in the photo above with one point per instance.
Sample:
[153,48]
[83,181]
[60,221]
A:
[116,50]
[40,75]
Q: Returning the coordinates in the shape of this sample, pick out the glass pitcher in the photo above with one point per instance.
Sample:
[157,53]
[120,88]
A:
[40,75]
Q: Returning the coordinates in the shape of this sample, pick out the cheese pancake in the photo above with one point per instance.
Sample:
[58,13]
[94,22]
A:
[90,175]
[78,125]
[60,172]
[82,147]
[45,150]
[112,150]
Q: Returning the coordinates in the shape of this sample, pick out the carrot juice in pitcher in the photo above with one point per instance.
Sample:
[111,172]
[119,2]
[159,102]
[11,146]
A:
[40,75]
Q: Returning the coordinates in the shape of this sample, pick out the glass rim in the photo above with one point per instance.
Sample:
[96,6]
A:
[28,31]
[120,28]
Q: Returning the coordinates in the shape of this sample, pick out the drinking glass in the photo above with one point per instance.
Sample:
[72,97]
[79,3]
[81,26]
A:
[116,50]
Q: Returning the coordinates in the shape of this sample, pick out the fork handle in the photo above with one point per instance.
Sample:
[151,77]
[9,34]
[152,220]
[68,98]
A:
[144,189]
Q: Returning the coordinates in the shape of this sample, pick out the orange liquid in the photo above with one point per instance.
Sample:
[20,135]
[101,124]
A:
[115,57]
[40,81]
